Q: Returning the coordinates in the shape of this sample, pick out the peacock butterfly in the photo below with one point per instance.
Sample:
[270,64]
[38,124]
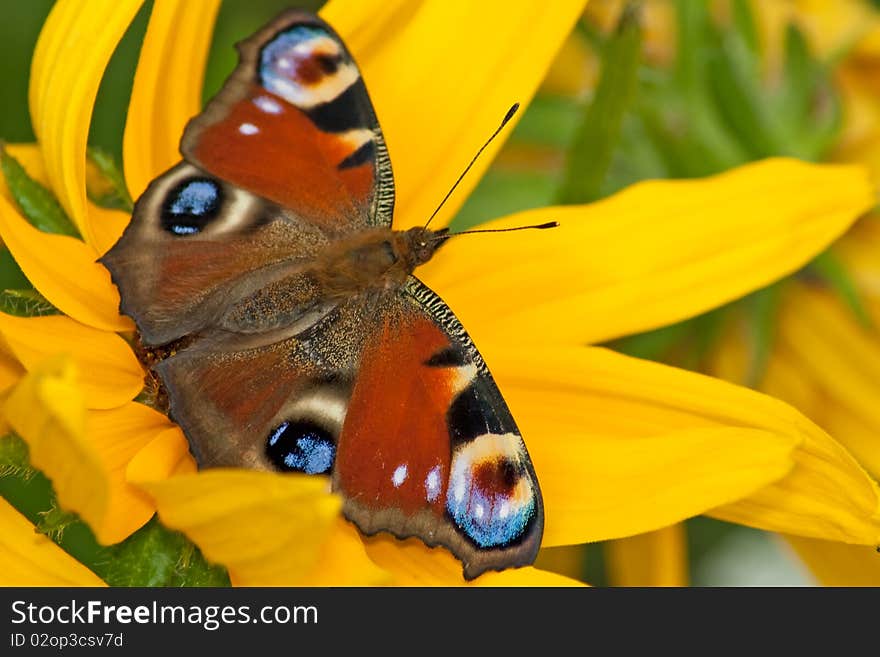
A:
[303,342]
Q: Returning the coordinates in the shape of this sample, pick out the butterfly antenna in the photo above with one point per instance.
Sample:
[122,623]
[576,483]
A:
[504,122]
[443,236]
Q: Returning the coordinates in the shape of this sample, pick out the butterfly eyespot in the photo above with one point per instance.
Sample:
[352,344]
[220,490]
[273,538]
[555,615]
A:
[301,447]
[305,66]
[191,205]
[491,496]
[328,63]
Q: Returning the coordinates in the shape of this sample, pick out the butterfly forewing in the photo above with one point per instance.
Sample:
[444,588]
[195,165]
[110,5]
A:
[294,124]
[286,157]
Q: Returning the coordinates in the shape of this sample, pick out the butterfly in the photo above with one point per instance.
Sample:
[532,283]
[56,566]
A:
[264,267]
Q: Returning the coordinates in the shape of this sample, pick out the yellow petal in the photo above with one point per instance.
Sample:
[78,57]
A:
[165,455]
[634,485]
[171,68]
[823,362]
[10,369]
[827,495]
[107,226]
[731,361]
[442,75]
[84,454]
[64,270]
[859,142]
[838,564]
[568,560]
[267,529]
[822,339]
[117,436]
[343,561]
[411,563]
[827,475]
[631,402]
[73,49]
[858,250]
[654,254]
[47,409]
[185,466]
[657,558]
[30,559]
[110,373]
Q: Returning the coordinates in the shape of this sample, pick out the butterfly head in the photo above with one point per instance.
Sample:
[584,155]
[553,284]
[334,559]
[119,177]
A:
[420,244]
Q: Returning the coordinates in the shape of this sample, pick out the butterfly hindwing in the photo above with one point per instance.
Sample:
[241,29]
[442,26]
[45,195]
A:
[428,447]
[389,395]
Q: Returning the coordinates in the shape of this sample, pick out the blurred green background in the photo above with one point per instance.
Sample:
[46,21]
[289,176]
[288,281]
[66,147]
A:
[720,554]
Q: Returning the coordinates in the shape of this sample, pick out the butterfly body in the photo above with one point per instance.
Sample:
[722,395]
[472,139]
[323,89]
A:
[376,259]
[306,344]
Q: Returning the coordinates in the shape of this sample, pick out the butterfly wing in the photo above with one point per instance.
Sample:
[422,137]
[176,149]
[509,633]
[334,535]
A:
[287,157]
[389,395]
[428,447]
[297,100]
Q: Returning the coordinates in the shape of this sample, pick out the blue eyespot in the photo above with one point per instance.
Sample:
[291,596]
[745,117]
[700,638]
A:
[491,500]
[301,447]
[191,205]
[298,60]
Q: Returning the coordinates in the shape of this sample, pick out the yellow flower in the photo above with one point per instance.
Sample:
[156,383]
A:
[825,360]
[621,446]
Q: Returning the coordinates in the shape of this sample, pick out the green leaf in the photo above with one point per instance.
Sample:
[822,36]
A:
[799,70]
[705,334]
[637,158]
[678,109]
[745,26]
[807,104]
[502,193]
[26,303]
[590,155]
[833,273]
[692,22]
[740,98]
[691,138]
[36,203]
[110,190]
[29,491]
[763,311]
[14,461]
[11,275]
[55,521]
[685,344]
[550,121]
[652,345]
[156,556]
